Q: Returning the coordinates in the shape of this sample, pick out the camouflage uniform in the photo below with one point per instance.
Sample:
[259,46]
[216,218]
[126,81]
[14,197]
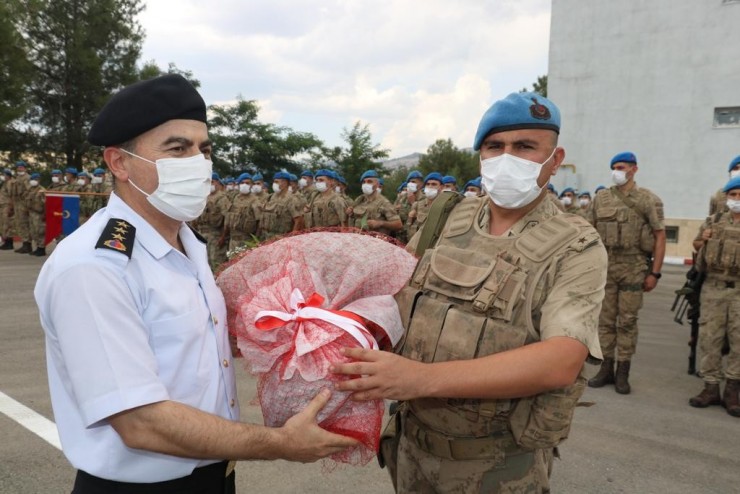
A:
[553,199]
[18,194]
[627,236]
[211,225]
[91,204]
[56,187]
[278,214]
[241,220]
[718,203]
[418,215]
[86,203]
[6,212]
[403,207]
[373,207]
[326,209]
[473,295]
[36,202]
[720,298]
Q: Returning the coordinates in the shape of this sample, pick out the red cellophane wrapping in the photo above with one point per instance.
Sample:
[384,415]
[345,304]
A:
[355,274]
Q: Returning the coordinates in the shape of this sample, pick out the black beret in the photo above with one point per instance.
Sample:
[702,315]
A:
[144,105]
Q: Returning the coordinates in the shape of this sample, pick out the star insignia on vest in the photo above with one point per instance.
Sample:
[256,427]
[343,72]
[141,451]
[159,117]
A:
[538,111]
[117,235]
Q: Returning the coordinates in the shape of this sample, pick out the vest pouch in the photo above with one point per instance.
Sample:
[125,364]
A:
[460,336]
[728,258]
[712,253]
[406,301]
[424,329]
[543,421]
[607,226]
[647,239]
[458,273]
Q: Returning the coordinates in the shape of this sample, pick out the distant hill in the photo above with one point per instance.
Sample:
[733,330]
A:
[409,161]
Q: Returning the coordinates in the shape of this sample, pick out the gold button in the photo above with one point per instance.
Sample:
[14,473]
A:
[215,321]
[226,363]
[232,403]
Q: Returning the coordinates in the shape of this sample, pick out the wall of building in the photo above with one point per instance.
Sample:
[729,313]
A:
[646,76]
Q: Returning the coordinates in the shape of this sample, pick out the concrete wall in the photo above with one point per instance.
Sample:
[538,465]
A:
[646,76]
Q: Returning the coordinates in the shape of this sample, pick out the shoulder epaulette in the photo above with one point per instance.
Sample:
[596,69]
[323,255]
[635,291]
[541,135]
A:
[117,235]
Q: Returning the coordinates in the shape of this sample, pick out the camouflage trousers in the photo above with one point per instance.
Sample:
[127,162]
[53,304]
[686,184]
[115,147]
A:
[420,472]
[22,226]
[37,228]
[622,301]
[216,253]
[720,319]
[6,222]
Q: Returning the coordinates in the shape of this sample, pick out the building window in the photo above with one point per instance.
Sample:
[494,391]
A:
[728,116]
[671,234]
[730,1]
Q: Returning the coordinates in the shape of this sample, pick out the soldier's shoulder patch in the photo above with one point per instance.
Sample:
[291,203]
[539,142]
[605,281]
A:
[117,235]
[200,237]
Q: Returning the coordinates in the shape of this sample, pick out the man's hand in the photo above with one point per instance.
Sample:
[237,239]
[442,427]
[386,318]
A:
[374,224]
[383,375]
[305,441]
[649,283]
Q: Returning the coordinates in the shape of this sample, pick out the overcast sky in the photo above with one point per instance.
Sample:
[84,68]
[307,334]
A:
[415,70]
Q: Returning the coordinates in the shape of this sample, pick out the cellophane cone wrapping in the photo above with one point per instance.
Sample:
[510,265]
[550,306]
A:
[352,272]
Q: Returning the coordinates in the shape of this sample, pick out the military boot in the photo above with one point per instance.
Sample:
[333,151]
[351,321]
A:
[7,244]
[708,396]
[40,252]
[24,249]
[730,398]
[605,374]
[621,384]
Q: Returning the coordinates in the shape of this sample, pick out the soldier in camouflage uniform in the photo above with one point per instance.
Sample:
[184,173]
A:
[70,180]
[630,221]
[260,196]
[501,315]
[372,211]
[211,222]
[18,194]
[718,202]
[584,205]
[403,204]
[327,208]
[568,200]
[281,213]
[57,182]
[101,187]
[36,202]
[420,210]
[718,243]
[449,183]
[6,210]
[241,221]
[472,188]
[307,186]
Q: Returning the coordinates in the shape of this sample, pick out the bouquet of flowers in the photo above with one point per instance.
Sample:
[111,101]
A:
[293,304]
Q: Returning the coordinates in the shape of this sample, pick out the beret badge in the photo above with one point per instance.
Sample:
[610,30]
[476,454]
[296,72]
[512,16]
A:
[539,111]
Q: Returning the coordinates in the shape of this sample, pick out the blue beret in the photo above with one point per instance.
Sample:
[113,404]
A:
[551,188]
[71,170]
[518,111]
[449,179]
[734,163]
[144,105]
[98,171]
[471,183]
[293,177]
[584,193]
[214,176]
[342,180]
[369,174]
[82,174]
[21,163]
[324,173]
[625,157]
[567,189]
[414,174]
[600,187]
[229,180]
[34,175]
[257,177]
[56,171]
[281,176]
[307,173]
[433,176]
[381,181]
[7,171]
[244,176]
[401,187]
[732,184]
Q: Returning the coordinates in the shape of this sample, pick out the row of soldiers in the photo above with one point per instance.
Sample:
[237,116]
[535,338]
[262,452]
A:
[23,203]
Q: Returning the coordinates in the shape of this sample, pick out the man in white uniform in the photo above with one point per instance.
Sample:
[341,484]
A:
[140,368]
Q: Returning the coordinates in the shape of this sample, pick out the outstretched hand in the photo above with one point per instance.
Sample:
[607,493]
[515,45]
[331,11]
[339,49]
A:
[305,441]
[383,375]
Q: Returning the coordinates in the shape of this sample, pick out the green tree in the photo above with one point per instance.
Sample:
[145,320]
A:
[446,158]
[539,86]
[359,155]
[150,70]
[242,143]
[81,52]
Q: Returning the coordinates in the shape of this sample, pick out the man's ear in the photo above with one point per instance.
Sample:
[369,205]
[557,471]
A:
[557,159]
[115,159]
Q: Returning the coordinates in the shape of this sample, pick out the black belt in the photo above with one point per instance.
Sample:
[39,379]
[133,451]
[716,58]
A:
[210,479]
[723,284]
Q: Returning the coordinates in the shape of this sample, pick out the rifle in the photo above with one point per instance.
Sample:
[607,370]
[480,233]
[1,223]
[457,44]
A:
[687,304]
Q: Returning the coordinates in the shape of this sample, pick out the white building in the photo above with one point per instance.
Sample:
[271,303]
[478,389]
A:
[660,78]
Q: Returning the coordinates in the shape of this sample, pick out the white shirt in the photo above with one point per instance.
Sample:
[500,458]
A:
[122,333]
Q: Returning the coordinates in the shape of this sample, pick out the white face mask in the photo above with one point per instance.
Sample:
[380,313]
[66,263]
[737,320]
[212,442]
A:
[302,183]
[321,186]
[733,205]
[20,173]
[97,180]
[212,189]
[338,189]
[734,174]
[256,189]
[511,182]
[184,186]
[275,187]
[567,201]
[619,177]
[367,189]
[470,193]
[55,180]
[412,187]
[81,181]
[230,187]
[583,202]
[245,188]
[33,183]
[430,192]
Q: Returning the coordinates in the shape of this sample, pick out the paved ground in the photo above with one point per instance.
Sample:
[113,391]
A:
[647,442]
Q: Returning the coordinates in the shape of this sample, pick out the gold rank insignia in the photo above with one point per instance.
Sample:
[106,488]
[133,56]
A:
[117,235]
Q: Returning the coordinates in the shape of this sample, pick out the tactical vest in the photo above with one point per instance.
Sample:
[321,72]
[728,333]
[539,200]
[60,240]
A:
[241,219]
[622,229]
[213,217]
[474,295]
[364,210]
[722,250]
[276,215]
